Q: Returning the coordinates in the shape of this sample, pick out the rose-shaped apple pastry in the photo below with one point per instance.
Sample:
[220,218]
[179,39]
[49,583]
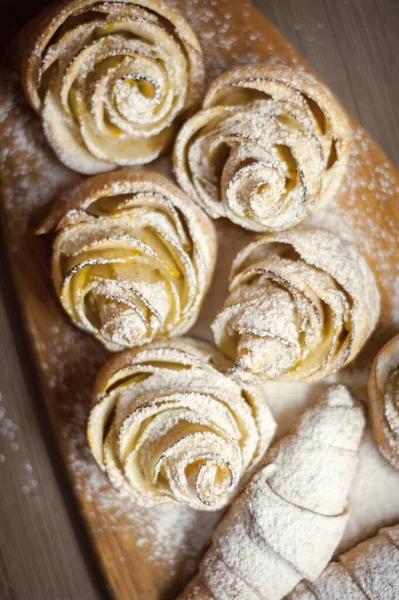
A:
[384,400]
[167,425]
[270,145]
[109,80]
[302,303]
[132,258]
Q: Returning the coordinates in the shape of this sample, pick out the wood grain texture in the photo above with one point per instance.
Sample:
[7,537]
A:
[354,46]
[44,553]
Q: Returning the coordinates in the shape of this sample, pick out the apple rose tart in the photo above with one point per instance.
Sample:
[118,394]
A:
[384,400]
[109,80]
[167,425]
[302,304]
[133,257]
[270,145]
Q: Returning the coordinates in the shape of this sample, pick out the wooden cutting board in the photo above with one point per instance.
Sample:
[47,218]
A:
[151,554]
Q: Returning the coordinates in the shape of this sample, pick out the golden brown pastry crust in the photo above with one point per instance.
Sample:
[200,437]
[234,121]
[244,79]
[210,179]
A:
[370,570]
[109,80]
[133,257]
[302,304]
[168,425]
[287,523]
[383,389]
[270,145]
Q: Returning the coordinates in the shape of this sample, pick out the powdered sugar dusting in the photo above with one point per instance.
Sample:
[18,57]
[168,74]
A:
[194,433]
[277,531]
[30,172]
[68,360]
[271,326]
[383,391]
[10,442]
[169,540]
[370,220]
[172,537]
[369,570]
[256,152]
[156,250]
[135,70]
[226,36]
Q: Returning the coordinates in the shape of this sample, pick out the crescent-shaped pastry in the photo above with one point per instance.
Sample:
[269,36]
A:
[133,257]
[270,145]
[289,520]
[167,425]
[109,80]
[302,303]
[369,571]
[383,391]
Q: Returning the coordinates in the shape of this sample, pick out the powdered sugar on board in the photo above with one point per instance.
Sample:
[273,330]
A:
[165,534]
[366,212]
[166,544]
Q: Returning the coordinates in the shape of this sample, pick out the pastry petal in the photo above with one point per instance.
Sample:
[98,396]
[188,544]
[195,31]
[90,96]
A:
[133,257]
[383,391]
[109,80]
[168,425]
[270,145]
[302,303]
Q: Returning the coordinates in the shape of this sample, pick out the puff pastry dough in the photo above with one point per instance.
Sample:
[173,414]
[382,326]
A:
[289,520]
[132,258]
[270,145]
[384,400]
[167,425]
[301,305]
[369,571]
[109,80]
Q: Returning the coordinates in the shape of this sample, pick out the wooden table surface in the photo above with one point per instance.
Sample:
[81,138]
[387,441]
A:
[44,553]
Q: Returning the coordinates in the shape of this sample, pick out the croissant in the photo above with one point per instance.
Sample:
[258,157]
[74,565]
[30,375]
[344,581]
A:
[109,80]
[167,425]
[289,520]
[383,391]
[133,257]
[370,571]
[269,146]
[301,305]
